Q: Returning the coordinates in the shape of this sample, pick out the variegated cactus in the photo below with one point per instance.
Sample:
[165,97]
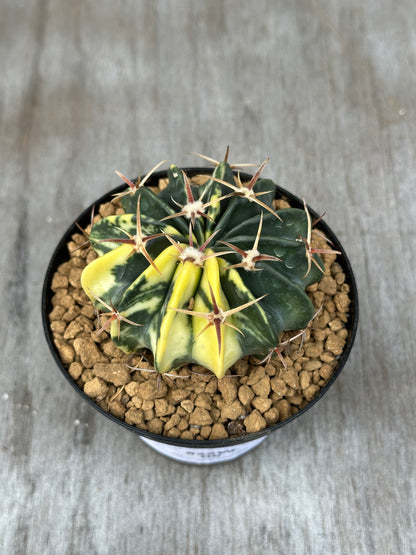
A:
[202,274]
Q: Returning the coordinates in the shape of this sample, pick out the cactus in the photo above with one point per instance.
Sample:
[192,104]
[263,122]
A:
[202,274]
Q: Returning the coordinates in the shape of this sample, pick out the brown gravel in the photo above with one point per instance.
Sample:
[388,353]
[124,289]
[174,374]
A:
[197,405]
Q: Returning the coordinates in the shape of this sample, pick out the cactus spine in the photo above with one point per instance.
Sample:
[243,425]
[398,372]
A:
[202,274]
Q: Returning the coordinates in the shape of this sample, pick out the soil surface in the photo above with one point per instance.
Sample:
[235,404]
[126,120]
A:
[191,403]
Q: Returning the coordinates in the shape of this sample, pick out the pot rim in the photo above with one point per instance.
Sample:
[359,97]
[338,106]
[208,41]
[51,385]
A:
[60,255]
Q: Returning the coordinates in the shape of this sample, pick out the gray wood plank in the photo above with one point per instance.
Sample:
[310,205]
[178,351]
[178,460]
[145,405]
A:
[327,91]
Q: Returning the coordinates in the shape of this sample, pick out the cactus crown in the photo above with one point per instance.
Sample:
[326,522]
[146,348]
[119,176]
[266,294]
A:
[204,274]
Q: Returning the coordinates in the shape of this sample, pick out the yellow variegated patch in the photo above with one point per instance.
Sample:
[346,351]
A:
[206,348]
[175,334]
[98,276]
[149,280]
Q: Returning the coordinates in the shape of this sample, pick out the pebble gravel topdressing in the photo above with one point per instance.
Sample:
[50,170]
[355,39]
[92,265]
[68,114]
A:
[192,403]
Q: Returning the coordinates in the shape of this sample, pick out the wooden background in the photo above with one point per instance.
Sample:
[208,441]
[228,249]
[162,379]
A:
[327,91]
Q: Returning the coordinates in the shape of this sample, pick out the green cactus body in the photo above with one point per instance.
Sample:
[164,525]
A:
[202,274]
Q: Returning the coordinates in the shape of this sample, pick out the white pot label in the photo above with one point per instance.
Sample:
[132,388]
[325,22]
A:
[203,455]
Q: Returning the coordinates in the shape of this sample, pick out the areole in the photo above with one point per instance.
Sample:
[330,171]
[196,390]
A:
[186,450]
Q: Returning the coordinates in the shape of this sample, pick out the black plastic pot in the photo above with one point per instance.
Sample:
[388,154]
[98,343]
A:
[184,450]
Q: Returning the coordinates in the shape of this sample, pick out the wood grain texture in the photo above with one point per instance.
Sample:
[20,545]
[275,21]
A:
[327,90]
